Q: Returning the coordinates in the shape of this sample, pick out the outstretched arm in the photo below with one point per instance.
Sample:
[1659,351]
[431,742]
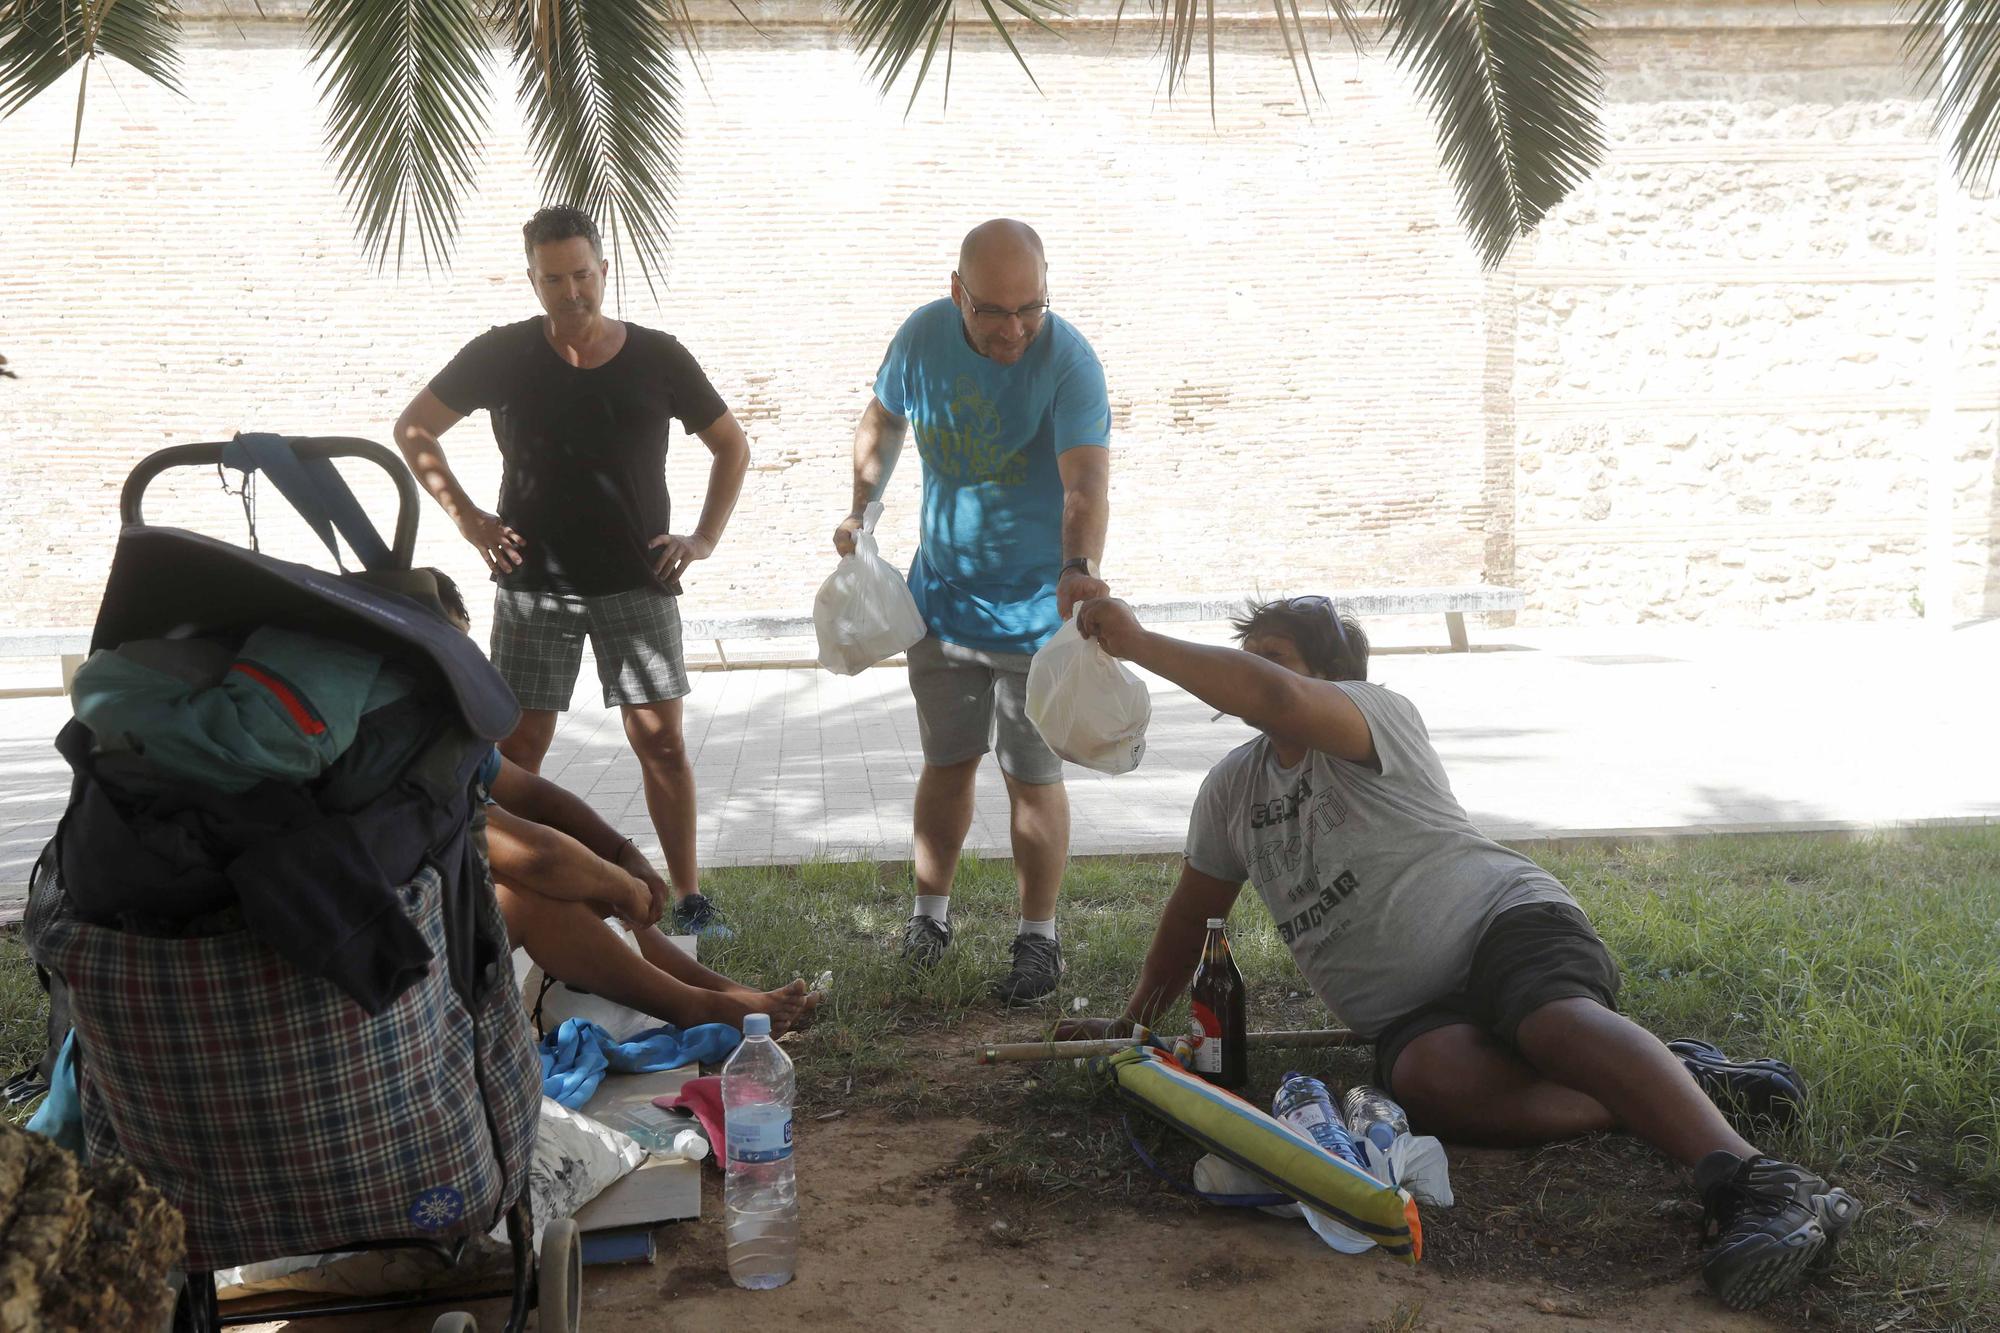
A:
[1282,704]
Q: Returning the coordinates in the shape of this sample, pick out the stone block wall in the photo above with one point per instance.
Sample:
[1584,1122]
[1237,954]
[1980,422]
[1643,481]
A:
[1727,342]
[1700,393]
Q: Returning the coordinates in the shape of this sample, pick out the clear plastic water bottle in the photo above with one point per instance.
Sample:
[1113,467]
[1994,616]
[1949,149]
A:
[1304,1104]
[1373,1115]
[760,1202]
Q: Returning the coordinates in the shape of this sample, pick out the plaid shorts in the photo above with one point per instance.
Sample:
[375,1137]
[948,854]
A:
[635,636]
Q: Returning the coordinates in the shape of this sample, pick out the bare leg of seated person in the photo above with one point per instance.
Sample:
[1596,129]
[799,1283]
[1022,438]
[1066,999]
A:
[1459,1083]
[1581,1069]
[1582,1044]
[570,942]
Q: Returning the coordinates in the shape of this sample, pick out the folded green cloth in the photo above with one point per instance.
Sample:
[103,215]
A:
[286,708]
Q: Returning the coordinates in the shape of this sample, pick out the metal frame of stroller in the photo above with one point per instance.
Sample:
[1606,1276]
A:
[553,1287]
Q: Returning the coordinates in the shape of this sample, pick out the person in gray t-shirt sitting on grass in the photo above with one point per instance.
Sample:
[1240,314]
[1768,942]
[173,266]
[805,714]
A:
[1491,1001]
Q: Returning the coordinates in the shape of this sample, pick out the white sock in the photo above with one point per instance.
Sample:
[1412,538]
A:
[936,906]
[1046,929]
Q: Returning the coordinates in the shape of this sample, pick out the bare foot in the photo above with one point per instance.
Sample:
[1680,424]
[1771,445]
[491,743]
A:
[791,1007]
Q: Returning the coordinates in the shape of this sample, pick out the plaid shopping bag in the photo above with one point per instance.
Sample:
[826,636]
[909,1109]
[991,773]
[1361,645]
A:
[275,1113]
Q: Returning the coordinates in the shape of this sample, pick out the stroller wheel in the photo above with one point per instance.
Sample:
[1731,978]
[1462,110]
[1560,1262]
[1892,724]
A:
[559,1278]
[455,1321]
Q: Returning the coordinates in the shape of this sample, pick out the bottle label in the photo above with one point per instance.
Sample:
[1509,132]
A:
[1311,1117]
[759,1133]
[1205,1036]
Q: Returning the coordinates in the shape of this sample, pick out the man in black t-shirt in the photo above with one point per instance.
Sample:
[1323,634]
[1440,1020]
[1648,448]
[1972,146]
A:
[582,544]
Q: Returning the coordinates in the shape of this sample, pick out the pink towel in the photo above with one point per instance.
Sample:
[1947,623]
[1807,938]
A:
[703,1096]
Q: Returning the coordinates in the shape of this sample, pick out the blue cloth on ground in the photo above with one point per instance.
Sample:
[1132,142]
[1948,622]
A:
[984,575]
[576,1056]
[60,1116]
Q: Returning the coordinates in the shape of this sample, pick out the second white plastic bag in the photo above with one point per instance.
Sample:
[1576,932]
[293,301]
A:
[1088,707]
[864,613]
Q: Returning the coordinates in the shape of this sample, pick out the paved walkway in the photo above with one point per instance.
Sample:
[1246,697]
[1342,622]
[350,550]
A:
[1543,731]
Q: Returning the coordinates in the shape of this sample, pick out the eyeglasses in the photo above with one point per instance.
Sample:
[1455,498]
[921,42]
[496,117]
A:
[993,314]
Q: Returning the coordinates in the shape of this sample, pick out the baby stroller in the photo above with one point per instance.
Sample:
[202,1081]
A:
[267,913]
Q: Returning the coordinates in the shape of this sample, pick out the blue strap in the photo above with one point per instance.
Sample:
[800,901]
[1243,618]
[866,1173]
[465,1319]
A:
[317,490]
[1226,1200]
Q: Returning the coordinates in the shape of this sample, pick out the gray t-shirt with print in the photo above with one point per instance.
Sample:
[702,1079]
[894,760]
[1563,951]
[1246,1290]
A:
[1379,883]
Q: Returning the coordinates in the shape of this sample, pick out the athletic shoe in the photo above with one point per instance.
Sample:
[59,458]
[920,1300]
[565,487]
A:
[696,915]
[925,938]
[1772,1221]
[1761,1089]
[1038,967]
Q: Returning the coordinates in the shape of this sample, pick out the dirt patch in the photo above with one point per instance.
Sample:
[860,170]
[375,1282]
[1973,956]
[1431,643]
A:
[913,1223]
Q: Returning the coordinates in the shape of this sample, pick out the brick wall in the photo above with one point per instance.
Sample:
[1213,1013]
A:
[1699,393]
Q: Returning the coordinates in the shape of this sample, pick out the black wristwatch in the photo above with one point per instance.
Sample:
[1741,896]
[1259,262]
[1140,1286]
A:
[1082,562]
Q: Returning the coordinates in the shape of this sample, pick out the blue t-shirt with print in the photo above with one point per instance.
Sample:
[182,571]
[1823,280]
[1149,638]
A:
[985,571]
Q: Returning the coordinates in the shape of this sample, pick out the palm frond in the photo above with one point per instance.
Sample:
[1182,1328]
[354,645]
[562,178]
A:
[42,40]
[1182,25]
[1956,47]
[1514,86]
[896,30]
[604,120]
[404,82]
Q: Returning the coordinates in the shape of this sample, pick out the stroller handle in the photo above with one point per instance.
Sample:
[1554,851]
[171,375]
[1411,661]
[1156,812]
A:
[404,547]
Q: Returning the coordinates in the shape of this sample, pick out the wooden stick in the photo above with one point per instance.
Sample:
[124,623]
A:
[1034,1051]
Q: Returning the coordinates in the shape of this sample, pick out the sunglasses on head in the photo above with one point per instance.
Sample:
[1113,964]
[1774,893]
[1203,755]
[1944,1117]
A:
[1321,603]
[1309,603]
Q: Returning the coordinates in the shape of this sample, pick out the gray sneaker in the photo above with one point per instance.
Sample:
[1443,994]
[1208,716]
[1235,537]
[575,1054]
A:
[1773,1222]
[1038,967]
[924,940]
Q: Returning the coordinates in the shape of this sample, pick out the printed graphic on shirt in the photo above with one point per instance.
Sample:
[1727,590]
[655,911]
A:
[1319,903]
[963,441]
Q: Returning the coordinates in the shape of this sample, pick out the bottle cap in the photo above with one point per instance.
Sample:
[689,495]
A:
[757,1025]
[1215,923]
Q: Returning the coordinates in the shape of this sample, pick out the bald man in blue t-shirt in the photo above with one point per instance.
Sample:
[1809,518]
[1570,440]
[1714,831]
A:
[1013,425]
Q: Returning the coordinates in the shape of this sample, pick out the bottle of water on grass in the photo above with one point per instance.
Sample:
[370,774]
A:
[760,1202]
[1304,1104]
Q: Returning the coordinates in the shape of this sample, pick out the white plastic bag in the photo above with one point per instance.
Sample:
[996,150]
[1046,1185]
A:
[1414,1161]
[864,612]
[1088,707]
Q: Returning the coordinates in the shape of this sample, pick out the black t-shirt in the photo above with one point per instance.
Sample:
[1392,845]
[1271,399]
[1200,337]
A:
[583,452]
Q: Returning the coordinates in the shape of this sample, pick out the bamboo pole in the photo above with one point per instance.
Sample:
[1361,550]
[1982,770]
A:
[1035,1051]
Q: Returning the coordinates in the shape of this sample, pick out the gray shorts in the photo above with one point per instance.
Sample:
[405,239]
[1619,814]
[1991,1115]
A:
[635,636]
[969,702]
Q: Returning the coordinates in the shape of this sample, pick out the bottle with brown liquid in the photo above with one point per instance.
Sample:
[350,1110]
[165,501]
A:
[1218,1013]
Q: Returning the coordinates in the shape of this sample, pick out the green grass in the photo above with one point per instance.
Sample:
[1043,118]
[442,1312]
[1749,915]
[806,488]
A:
[23,1018]
[1873,966]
